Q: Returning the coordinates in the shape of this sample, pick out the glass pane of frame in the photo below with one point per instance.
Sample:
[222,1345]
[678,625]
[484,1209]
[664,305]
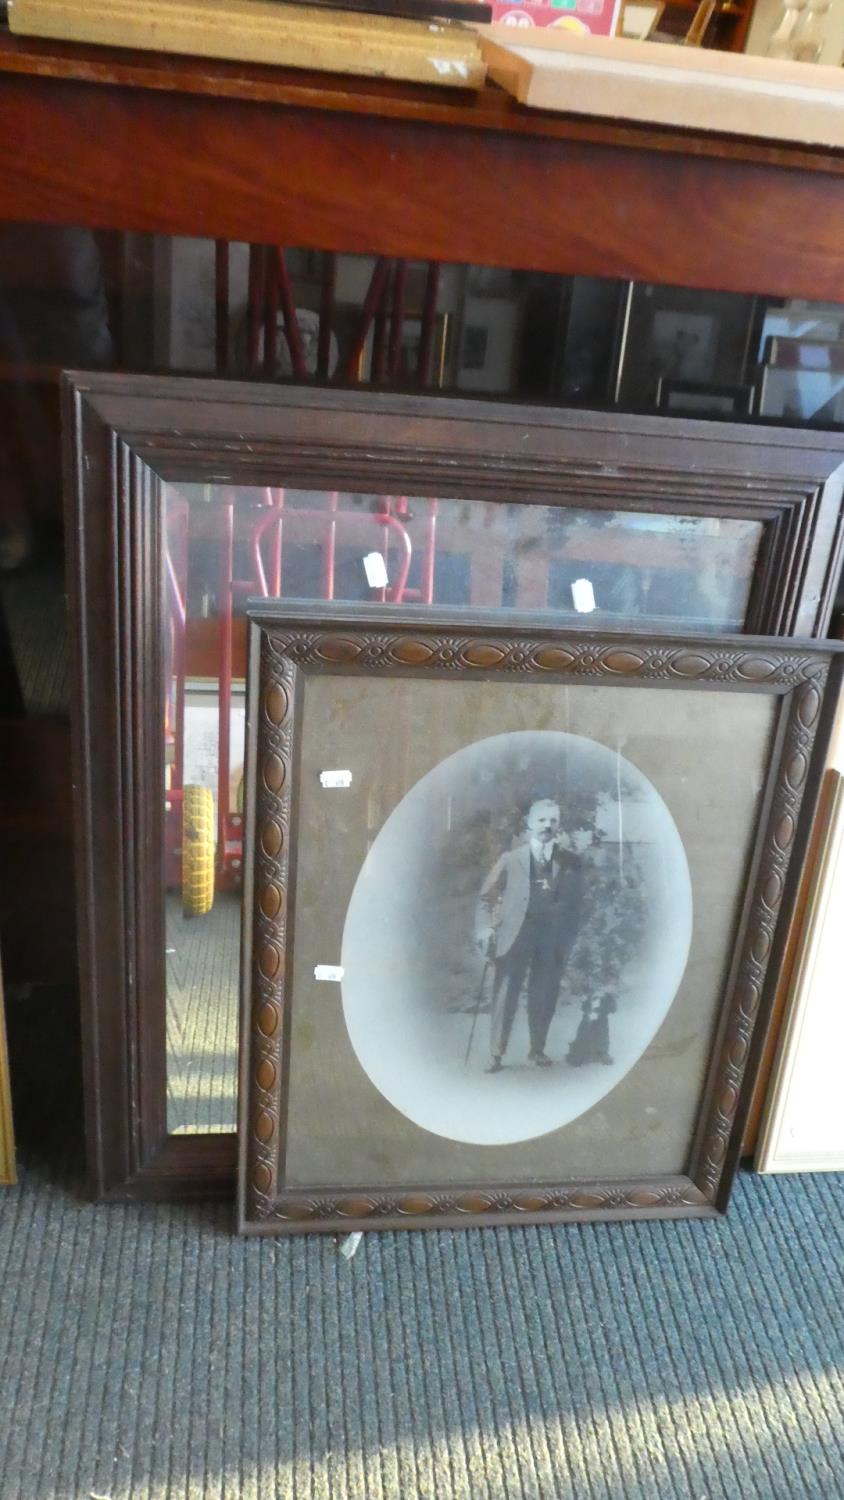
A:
[224,544]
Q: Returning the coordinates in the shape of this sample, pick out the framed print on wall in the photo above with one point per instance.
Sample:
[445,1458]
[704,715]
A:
[675,333]
[512,899]
[186,497]
[802,392]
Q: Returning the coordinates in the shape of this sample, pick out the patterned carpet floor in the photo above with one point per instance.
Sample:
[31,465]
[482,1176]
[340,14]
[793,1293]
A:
[145,1351]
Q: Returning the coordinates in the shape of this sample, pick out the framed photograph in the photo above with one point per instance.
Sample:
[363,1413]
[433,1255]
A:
[513,899]
[696,398]
[675,334]
[488,336]
[186,497]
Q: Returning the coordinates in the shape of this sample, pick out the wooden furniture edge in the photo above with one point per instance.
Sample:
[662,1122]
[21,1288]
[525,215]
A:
[486,109]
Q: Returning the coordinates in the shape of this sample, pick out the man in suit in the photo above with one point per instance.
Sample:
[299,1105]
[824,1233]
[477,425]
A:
[528,915]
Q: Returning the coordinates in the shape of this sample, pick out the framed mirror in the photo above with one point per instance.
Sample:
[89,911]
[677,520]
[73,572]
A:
[186,498]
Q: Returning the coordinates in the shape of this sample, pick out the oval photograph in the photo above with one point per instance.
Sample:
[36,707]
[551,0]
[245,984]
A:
[515,937]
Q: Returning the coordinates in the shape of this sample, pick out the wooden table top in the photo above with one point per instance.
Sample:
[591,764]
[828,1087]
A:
[176,145]
[489,108]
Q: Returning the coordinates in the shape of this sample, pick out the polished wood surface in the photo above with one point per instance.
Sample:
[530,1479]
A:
[177,146]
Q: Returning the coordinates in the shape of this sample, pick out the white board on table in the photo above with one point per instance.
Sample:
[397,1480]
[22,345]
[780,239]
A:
[685,87]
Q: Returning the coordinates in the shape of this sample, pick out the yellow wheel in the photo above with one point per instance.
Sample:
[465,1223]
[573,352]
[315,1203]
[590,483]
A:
[197,851]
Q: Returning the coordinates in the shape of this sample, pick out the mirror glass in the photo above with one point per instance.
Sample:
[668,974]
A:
[225,545]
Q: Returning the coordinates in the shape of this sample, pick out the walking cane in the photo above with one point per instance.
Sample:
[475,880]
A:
[490,960]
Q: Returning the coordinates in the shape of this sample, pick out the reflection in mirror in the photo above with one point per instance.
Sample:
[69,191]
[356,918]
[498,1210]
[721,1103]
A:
[226,544]
[204,729]
[203,910]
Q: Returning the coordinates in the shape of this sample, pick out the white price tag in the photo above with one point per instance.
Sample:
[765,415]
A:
[333,973]
[583,596]
[335,778]
[375,569]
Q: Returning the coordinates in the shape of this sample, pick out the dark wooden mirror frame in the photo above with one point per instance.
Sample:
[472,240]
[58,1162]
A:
[287,645]
[125,435]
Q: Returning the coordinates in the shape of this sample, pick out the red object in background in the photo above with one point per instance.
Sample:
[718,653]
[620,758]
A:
[598,17]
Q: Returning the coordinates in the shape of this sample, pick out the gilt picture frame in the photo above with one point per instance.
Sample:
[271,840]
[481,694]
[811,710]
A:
[420,1049]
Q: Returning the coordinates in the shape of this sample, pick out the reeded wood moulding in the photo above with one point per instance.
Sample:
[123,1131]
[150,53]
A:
[791,482]
[288,644]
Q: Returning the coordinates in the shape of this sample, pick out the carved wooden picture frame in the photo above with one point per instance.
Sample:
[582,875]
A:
[303,668]
[128,438]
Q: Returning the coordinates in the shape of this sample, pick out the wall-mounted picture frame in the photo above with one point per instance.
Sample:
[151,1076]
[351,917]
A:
[509,946]
[800,394]
[677,334]
[183,494]
[488,338]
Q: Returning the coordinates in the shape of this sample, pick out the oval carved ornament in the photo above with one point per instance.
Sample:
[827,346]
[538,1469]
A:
[276,703]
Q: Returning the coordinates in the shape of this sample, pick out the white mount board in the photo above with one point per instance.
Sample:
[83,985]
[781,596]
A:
[803,1126]
[686,87]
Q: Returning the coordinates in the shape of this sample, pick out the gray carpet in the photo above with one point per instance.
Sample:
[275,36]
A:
[203,971]
[146,1352]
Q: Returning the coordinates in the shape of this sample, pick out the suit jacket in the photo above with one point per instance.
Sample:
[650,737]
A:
[505,894]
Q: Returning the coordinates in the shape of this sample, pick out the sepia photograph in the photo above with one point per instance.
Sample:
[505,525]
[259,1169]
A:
[510,894]
[515,937]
